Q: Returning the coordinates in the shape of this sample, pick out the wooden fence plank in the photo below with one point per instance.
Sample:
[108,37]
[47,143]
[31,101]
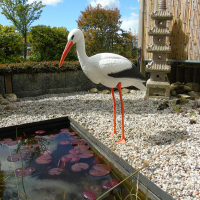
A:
[8,84]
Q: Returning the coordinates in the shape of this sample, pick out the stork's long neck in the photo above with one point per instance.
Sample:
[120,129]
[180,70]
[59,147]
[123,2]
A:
[80,46]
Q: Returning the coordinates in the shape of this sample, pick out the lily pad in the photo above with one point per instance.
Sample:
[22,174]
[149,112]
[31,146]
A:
[79,167]
[26,172]
[64,131]
[75,142]
[53,136]
[40,132]
[98,159]
[109,184]
[64,142]
[86,154]
[43,159]
[16,157]
[45,153]
[11,143]
[87,194]
[38,137]
[55,171]
[73,158]
[7,140]
[82,153]
[75,151]
[100,170]
[72,133]
[82,147]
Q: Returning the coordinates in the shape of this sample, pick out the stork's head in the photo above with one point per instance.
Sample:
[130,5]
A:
[73,37]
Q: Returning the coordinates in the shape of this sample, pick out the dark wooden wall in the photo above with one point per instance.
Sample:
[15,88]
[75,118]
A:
[184,74]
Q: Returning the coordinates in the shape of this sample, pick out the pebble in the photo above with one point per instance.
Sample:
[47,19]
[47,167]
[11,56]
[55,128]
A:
[148,132]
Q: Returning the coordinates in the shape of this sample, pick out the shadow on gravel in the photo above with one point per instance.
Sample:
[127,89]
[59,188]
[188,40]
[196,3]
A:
[167,137]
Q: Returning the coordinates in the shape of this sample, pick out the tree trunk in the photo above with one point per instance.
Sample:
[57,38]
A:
[25,45]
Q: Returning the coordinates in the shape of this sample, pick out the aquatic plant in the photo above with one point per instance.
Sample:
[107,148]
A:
[109,184]
[87,194]
[79,167]
[43,159]
[24,171]
[100,170]
[55,171]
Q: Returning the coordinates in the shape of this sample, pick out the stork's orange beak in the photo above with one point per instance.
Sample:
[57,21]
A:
[65,52]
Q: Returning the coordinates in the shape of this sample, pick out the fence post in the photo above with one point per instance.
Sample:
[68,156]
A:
[8,84]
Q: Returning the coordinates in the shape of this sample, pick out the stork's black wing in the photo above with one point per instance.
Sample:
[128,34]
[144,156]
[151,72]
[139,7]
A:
[129,73]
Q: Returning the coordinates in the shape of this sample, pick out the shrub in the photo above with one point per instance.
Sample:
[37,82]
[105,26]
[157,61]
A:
[48,43]
[38,67]
[10,45]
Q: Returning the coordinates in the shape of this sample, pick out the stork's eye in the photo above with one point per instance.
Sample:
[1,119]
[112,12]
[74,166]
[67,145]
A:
[72,37]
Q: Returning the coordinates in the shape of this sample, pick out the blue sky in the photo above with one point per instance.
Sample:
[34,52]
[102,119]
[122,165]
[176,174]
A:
[65,12]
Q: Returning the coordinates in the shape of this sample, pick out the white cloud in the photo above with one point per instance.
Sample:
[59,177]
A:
[47,2]
[130,23]
[104,3]
[133,8]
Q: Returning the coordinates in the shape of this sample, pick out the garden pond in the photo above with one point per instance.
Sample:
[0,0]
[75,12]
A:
[53,162]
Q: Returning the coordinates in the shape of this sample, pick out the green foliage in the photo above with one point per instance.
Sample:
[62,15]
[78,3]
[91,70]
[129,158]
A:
[48,43]
[22,14]
[38,67]
[10,45]
[101,28]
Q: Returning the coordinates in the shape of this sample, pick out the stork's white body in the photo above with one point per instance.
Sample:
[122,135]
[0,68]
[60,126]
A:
[97,67]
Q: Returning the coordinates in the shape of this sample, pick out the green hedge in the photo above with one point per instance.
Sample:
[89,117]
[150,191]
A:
[38,67]
[30,67]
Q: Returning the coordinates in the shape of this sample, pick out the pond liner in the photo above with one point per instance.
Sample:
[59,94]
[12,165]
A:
[154,192]
[50,124]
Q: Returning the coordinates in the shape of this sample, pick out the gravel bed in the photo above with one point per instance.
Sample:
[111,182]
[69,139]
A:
[148,132]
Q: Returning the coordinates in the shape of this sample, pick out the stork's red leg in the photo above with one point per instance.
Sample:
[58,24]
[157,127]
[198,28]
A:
[122,140]
[114,108]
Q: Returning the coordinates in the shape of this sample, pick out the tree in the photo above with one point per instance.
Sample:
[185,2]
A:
[48,43]
[101,27]
[127,45]
[22,14]
[10,45]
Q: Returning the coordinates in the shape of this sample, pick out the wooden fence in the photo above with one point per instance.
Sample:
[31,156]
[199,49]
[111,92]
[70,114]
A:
[184,74]
[185,27]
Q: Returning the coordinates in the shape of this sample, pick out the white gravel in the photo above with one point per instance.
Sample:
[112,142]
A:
[148,132]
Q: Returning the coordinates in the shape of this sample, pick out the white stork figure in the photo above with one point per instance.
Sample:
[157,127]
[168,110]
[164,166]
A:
[109,69]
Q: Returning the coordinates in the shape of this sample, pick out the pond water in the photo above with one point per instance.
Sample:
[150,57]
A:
[56,164]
